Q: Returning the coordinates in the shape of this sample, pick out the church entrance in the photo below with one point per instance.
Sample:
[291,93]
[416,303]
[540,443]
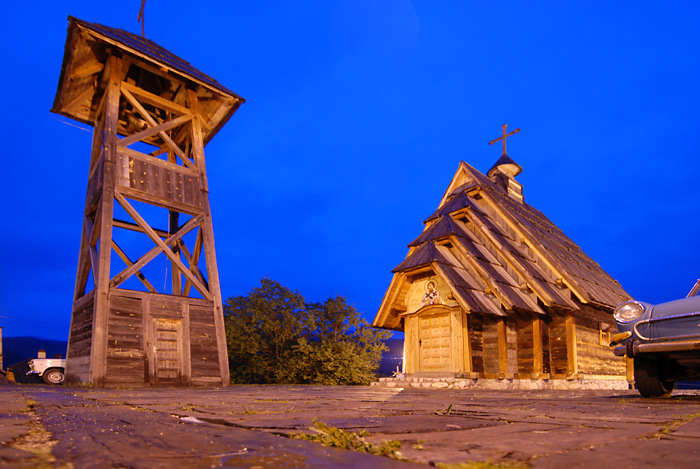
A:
[434,344]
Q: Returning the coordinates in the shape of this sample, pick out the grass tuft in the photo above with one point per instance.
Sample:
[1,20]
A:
[339,438]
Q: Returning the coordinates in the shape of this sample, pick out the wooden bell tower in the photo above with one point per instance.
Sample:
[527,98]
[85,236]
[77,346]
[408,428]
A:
[147,303]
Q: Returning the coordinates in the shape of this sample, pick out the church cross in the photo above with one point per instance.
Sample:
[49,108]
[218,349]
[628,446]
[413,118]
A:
[504,136]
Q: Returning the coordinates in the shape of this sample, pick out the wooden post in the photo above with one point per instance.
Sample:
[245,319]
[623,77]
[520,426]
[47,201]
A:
[502,348]
[208,236]
[98,354]
[629,369]
[537,353]
[571,352]
[468,366]
[411,344]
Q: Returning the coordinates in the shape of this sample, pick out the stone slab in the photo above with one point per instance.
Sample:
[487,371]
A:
[243,426]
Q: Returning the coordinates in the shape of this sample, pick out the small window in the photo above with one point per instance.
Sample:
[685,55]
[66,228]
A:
[604,335]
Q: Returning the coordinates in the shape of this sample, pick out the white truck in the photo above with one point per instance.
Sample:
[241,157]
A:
[51,370]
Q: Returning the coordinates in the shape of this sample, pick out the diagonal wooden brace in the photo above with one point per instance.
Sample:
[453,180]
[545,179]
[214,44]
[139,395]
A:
[161,246]
[167,125]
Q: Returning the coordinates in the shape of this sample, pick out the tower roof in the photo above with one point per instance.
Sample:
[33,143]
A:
[147,64]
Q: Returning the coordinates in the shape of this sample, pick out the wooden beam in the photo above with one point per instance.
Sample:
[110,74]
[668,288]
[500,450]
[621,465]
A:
[98,355]
[537,352]
[156,100]
[87,236]
[134,227]
[173,217]
[194,268]
[571,352]
[467,349]
[154,160]
[92,245]
[163,202]
[502,348]
[163,247]
[87,69]
[194,260]
[83,264]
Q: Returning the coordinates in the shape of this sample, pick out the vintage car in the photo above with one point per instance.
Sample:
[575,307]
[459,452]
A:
[51,370]
[663,340]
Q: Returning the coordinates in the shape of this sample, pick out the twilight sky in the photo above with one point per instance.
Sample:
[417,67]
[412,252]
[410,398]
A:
[358,113]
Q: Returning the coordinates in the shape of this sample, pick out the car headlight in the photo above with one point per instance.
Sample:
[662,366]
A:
[629,311]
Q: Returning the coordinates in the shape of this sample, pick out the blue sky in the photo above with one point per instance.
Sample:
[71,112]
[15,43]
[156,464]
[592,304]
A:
[357,116]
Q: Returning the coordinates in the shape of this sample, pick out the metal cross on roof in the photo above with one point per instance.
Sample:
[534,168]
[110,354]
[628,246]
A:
[504,136]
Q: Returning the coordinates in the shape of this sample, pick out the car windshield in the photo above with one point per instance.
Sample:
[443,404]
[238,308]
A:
[695,291]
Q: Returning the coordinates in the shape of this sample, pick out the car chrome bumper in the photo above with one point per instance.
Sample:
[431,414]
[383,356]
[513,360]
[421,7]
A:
[637,348]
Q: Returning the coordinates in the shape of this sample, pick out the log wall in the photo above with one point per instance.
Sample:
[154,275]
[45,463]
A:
[525,344]
[511,346]
[476,341]
[558,355]
[80,342]
[133,340]
[490,345]
[204,355]
[125,347]
[594,355]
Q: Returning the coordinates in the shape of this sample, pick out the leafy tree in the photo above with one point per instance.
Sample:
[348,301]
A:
[275,336]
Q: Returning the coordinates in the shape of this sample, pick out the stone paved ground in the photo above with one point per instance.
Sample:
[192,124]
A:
[243,426]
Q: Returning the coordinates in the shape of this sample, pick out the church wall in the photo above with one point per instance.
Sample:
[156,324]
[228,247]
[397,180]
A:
[521,345]
[525,347]
[594,328]
[457,340]
[546,352]
[512,346]
[476,340]
[490,344]
[558,355]
[411,344]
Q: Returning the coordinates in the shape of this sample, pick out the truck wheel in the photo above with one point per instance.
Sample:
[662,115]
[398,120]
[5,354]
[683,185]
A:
[53,376]
[647,378]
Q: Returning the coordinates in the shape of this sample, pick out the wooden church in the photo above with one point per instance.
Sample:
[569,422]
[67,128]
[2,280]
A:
[492,289]
[147,302]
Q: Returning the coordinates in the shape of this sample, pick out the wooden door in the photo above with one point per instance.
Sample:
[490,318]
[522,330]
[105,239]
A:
[434,344]
[167,352]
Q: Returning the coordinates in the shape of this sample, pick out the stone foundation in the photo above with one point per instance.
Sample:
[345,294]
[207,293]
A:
[579,383]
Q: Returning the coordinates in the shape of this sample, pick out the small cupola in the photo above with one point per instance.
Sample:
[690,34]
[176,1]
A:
[504,171]
[507,166]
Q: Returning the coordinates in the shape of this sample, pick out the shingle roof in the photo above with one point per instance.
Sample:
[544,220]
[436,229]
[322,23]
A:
[497,253]
[153,51]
